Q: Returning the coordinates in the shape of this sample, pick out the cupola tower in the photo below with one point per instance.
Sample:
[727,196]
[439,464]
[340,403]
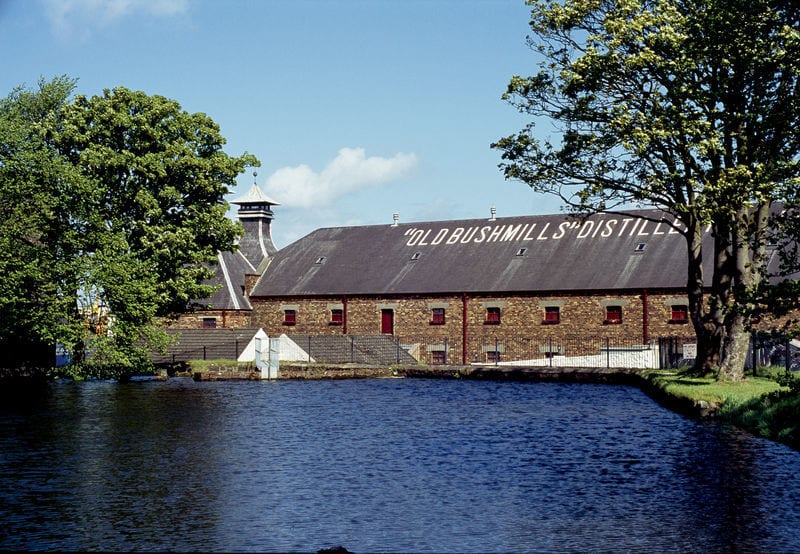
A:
[255,215]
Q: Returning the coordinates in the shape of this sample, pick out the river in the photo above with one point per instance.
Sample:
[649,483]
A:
[383,465]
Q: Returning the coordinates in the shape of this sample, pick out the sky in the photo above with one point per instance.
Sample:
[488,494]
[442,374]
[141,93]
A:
[356,109]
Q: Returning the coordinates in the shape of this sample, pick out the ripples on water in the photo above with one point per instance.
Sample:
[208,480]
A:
[384,465]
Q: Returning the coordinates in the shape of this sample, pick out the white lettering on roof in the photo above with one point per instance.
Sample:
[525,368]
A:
[597,229]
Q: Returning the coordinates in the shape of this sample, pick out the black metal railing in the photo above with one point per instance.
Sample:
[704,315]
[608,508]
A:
[766,349]
[573,351]
[774,349]
[343,349]
[582,351]
[229,350]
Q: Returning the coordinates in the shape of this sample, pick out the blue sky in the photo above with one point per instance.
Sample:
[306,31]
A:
[357,109]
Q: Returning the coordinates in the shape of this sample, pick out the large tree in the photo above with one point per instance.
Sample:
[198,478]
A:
[157,214]
[120,212]
[691,106]
[41,196]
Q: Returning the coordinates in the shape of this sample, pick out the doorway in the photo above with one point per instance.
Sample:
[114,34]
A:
[387,321]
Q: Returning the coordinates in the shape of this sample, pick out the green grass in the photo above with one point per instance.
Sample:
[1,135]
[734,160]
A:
[711,390]
[760,405]
[204,364]
[214,365]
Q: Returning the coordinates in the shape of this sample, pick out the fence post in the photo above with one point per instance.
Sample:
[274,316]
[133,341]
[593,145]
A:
[551,351]
[397,341]
[496,353]
[204,351]
[236,348]
[788,355]
[608,353]
[445,350]
[309,348]
[352,355]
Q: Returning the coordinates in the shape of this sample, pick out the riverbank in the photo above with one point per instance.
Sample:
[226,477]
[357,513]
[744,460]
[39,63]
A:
[648,380]
[489,372]
[220,372]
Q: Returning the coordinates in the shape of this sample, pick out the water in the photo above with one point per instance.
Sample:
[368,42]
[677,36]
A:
[383,465]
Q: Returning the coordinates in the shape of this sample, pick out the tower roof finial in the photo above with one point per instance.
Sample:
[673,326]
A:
[255,196]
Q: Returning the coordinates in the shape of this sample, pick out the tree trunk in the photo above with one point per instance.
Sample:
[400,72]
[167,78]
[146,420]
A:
[707,328]
[709,348]
[734,351]
[747,263]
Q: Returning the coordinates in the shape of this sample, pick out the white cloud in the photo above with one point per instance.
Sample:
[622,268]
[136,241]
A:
[351,170]
[66,15]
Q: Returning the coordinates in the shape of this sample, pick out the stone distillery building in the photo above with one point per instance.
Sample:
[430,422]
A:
[462,291]
[465,291]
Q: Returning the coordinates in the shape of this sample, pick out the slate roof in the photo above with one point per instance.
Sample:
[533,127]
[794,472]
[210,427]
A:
[360,349]
[229,274]
[544,253]
[214,344]
[254,248]
[255,196]
[255,215]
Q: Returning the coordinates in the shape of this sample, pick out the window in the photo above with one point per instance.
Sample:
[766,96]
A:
[552,315]
[289,317]
[209,322]
[613,315]
[337,316]
[492,316]
[680,314]
[437,316]
[438,356]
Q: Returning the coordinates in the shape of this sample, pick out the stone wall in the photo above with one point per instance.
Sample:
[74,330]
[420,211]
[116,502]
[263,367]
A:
[520,315]
[223,319]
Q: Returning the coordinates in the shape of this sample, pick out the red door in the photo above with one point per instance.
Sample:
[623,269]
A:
[387,322]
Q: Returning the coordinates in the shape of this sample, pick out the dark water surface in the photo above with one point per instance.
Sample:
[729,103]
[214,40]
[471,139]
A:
[384,465]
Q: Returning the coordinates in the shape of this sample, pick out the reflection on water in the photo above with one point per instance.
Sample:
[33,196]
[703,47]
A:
[383,465]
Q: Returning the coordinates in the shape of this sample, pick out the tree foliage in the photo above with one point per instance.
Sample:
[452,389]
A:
[691,106]
[118,207]
[37,242]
